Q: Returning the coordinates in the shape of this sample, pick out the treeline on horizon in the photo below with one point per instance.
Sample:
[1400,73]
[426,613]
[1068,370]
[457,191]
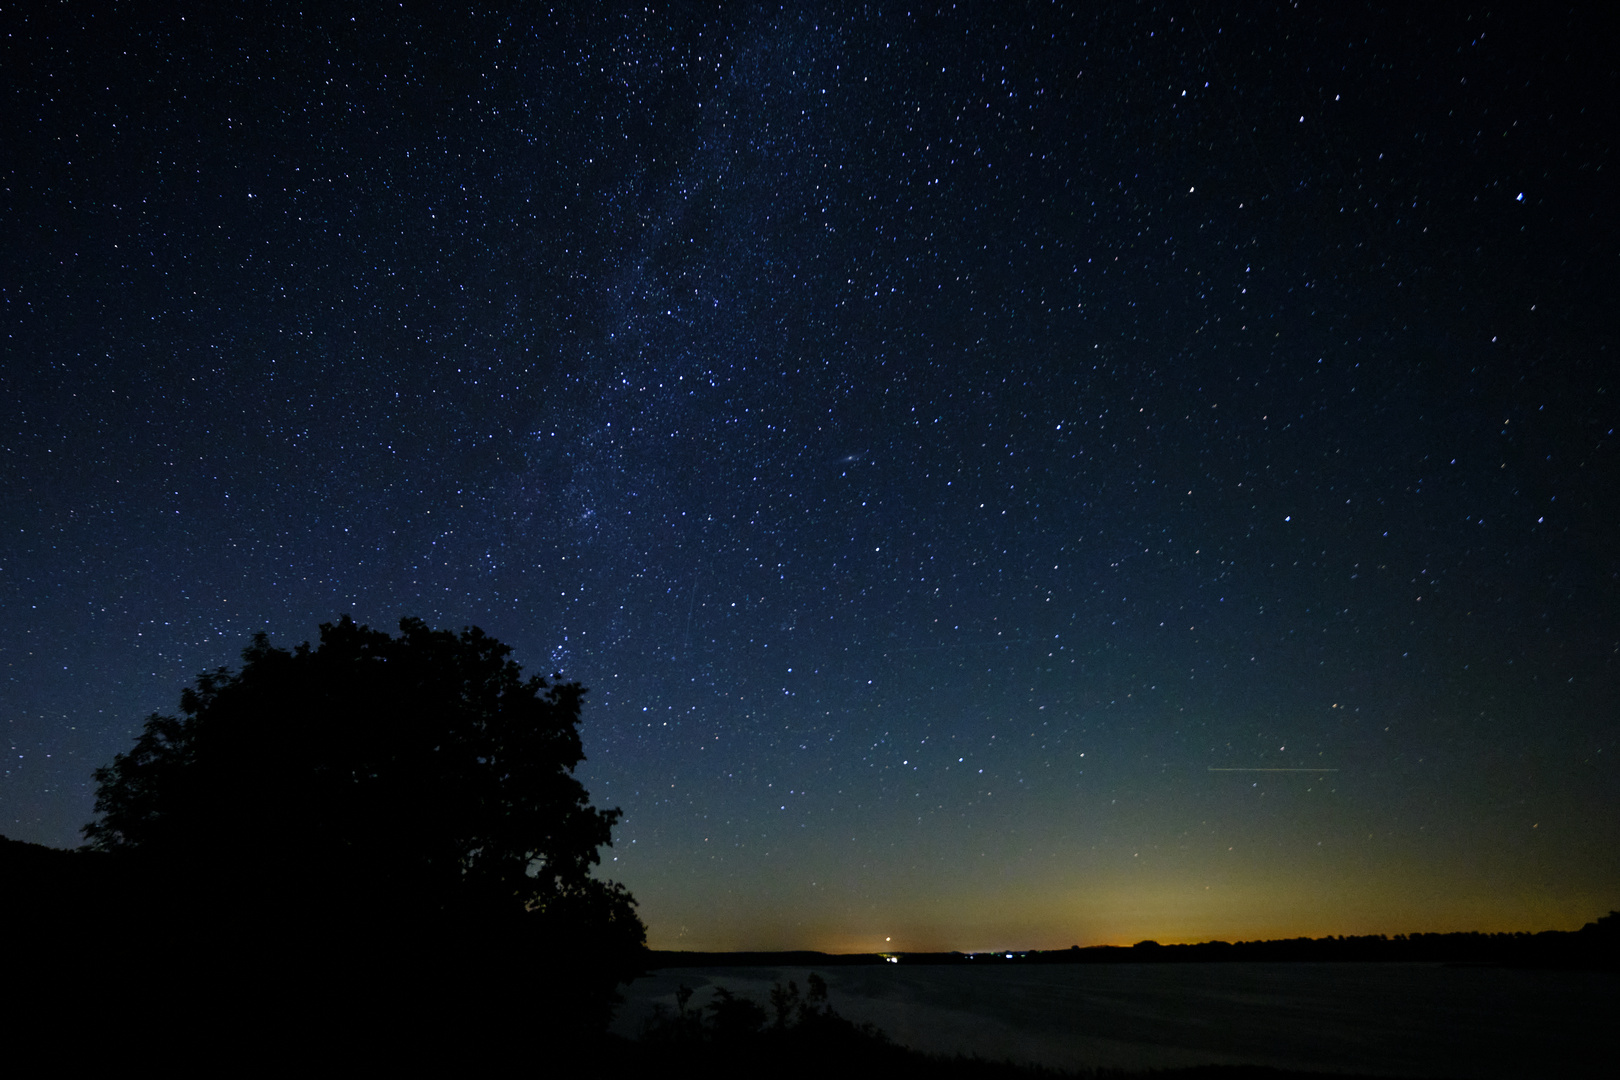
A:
[1595,945]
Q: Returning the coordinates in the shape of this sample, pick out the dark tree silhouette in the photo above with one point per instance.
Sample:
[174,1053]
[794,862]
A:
[396,806]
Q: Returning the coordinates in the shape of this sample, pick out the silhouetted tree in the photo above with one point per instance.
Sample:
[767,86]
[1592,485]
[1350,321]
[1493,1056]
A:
[409,798]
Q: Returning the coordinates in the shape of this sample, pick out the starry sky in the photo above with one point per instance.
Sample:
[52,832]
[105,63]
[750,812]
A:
[1009,474]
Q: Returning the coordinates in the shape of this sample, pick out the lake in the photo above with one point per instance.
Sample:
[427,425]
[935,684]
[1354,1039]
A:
[1415,1020]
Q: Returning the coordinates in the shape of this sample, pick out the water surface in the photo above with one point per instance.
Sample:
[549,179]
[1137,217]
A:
[1418,1020]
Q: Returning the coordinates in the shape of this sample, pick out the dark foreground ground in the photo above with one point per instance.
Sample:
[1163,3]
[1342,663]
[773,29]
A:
[1406,1020]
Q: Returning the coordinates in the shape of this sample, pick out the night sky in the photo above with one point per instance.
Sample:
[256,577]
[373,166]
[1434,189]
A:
[1009,475]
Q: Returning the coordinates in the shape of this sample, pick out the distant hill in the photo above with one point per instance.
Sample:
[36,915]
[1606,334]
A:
[1595,946]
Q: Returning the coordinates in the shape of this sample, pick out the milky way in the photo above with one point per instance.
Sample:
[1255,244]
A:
[1024,478]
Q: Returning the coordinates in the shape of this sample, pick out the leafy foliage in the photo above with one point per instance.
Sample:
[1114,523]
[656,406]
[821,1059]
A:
[734,1018]
[412,788]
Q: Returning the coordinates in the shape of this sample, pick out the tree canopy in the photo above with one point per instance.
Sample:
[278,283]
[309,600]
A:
[414,790]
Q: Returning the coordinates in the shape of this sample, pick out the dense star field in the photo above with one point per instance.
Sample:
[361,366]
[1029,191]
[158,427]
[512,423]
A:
[1009,475]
